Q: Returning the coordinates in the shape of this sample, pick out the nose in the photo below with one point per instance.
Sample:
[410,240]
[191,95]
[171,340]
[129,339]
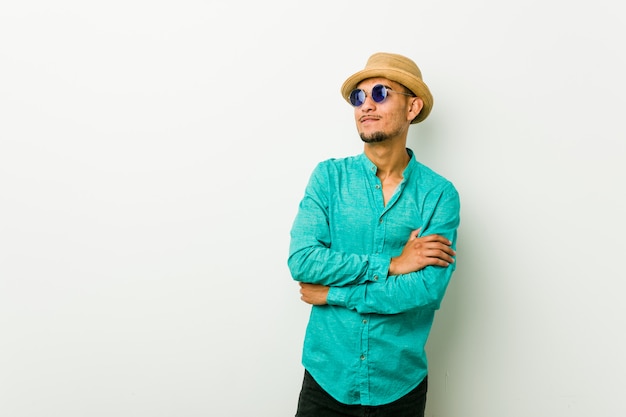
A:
[368,104]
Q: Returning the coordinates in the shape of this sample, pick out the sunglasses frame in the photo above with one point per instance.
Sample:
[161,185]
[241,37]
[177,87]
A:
[384,91]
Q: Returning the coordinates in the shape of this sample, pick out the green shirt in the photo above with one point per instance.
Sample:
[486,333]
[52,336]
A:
[367,346]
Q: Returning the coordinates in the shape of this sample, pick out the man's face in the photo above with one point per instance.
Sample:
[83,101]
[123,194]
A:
[379,122]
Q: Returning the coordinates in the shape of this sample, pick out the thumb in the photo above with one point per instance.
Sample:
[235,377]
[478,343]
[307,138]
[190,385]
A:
[415,233]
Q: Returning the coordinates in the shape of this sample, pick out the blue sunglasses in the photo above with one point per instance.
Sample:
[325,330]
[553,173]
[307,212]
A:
[379,94]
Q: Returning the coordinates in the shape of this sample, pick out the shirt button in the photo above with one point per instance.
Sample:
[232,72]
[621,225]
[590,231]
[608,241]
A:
[375,277]
[364,321]
[362,357]
[378,187]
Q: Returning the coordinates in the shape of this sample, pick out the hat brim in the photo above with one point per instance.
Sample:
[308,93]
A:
[410,81]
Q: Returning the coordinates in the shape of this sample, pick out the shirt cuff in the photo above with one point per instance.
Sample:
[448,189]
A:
[378,267]
[337,296]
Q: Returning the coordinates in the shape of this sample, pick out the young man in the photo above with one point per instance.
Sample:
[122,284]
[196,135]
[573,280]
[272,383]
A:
[372,246]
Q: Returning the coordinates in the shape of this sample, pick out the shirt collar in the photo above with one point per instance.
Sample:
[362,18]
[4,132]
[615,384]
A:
[371,167]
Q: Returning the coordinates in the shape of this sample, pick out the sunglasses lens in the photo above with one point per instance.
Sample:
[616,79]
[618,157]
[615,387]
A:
[379,93]
[357,97]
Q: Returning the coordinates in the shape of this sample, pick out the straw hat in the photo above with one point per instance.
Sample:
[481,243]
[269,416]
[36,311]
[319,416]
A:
[397,68]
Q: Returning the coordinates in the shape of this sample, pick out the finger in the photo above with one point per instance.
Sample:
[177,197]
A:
[441,255]
[439,261]
[443,248]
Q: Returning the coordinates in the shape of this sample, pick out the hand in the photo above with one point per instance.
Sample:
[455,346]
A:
[314,294]
[420,252]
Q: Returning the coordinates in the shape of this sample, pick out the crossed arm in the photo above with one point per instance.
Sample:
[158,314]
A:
[417,254]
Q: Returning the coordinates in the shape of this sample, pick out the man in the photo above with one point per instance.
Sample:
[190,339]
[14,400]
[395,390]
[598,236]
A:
[372,246]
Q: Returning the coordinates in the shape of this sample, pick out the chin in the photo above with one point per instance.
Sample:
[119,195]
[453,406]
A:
[375,137]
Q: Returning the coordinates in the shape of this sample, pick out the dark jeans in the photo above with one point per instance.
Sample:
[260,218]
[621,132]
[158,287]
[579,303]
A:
[315,402]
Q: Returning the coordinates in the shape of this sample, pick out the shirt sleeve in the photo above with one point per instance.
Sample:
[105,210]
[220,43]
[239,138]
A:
[311,258]
[423,289]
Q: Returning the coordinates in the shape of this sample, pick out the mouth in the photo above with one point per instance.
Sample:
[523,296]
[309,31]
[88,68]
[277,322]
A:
[365,119]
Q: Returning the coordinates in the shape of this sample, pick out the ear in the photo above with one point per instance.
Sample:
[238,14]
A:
[415,107]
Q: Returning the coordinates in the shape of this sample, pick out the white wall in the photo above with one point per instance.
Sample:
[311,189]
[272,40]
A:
[152,156]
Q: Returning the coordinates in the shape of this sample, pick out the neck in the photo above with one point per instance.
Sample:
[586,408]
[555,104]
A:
[390,160]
